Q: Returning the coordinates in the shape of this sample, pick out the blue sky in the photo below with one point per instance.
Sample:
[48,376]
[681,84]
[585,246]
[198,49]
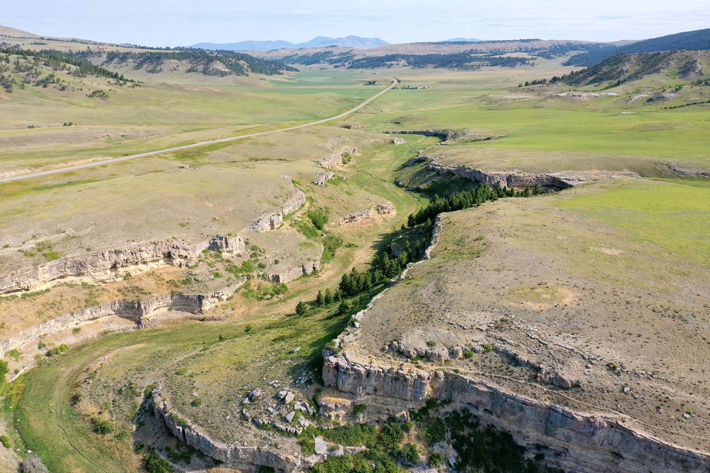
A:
[184,22]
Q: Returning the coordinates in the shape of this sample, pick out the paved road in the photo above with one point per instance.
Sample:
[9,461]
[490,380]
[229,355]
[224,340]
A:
[201,143]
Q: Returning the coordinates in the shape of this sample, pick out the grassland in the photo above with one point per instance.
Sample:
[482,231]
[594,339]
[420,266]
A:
[156,115]
[618,269]
[547,133]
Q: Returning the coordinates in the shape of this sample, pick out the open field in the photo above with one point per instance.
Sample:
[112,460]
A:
[617,270]
[542,132]
[156,115]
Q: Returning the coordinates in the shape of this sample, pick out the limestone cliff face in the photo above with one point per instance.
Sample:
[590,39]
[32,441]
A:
[336,159]
[295,273]
[365,214]
[583,443]
[443,134]
[273,220]
[104,265]
[510,180]
[232,456]
[140,312]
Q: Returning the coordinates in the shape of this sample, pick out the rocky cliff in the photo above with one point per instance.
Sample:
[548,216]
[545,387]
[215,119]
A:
[295,273]
[140,312]
[231,456]
[336,159]
[365,214]
[106,264]
[585,443]
[273,220]
[510,180]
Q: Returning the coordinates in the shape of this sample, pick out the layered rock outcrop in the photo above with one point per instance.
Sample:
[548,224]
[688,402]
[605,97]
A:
[139,312]
[336,159]
[231,456]
[324,177]
[580,442]
[510,180]
[273,220]
[365,214]
[443,134]
[294,273]
[106,264]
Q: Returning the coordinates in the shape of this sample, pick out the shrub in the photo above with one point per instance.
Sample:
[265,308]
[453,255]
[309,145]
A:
[197,402]
[3,370]
[6,441]
[359,409]
[101,426]
[33,464]
[435,459]
[410,453]
[76,330]
[15,353]
[487,347]
[431,343]
[155,464]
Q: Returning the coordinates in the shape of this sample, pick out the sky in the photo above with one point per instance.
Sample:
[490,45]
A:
[186,22]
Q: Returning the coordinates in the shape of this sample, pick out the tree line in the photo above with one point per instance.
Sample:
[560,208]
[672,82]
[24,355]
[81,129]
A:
[387,266]
[57,60]
[463,60]
[199,59]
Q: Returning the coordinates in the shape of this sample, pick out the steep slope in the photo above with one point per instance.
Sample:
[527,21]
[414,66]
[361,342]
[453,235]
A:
[689,40]
[629,67]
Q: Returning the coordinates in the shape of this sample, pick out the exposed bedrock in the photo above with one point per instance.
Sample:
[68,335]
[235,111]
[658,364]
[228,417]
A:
[273,220]
[443,134]
[139,312]
[294,273]
[580,442]
[232,456]
[104,265]
[336,159]
[510,180]
[388,208]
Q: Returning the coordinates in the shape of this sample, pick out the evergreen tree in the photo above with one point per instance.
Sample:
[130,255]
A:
[328,297]
[344,308]
[320,299]
[301,308]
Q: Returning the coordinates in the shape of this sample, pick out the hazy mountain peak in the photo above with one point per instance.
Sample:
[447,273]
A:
[317,42]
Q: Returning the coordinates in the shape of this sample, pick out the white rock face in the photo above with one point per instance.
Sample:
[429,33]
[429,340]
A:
[321,446]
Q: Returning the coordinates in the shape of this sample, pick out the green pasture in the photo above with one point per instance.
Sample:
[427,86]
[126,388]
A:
[673,215]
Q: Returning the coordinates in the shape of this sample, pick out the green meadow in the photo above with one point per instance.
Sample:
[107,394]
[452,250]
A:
[673,215]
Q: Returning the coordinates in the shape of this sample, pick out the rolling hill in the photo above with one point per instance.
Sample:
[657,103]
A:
[629,67]
[689,40]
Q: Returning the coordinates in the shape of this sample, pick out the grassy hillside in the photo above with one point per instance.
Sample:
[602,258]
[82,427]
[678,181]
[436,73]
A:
[622,68]
[689,40]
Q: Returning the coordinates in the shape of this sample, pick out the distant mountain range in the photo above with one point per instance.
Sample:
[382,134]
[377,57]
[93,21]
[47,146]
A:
[463,40]
[317,42]
[689,40]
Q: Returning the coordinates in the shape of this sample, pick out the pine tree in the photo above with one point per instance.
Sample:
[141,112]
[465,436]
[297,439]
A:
[411,221]
[328,297]
[344,308]
[320,299]
[301,308]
